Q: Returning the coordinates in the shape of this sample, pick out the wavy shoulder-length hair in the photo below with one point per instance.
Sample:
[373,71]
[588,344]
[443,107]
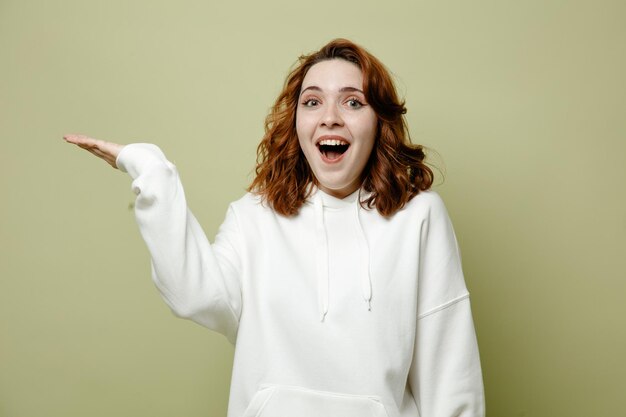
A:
[395,171]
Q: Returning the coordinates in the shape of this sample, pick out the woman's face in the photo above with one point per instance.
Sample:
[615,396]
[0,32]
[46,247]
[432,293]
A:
[336,127]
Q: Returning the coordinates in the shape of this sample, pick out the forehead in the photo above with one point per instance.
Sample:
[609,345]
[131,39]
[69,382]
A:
[333,75]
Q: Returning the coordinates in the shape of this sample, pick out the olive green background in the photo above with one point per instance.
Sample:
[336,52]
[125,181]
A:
[524,103]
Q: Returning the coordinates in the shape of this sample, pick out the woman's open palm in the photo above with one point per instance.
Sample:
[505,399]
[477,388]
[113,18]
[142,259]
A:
[107,151]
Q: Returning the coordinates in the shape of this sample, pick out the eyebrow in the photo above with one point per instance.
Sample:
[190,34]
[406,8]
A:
[341,90]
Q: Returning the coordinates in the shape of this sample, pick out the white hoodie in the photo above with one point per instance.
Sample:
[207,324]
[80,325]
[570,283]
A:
[334,312]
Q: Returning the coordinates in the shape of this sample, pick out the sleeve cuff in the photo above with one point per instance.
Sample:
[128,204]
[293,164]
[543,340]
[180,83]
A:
[136,157]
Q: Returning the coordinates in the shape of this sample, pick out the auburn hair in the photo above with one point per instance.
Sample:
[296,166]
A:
[395,171]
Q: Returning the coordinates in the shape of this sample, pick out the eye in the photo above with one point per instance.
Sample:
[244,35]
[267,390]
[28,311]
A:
[311,102]
[354,103]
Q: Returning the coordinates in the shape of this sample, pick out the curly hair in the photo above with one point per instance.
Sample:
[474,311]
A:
[395,171]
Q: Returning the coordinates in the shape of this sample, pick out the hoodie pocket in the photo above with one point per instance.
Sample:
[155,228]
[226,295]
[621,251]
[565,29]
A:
[288,401]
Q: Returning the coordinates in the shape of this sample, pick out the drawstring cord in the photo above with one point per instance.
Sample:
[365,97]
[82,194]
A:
[322,255]
[366,279]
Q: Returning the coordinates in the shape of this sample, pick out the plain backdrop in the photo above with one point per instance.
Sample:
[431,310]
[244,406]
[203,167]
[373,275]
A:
[522,102]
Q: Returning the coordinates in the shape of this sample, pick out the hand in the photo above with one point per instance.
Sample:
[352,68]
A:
[107,151]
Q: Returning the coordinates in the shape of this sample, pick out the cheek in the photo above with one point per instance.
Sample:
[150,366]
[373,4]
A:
[370,131]
[304,142]
[300,134]
[299,128]
[300,131]
[366,124]
[305,130]
[303,125]
[370,134]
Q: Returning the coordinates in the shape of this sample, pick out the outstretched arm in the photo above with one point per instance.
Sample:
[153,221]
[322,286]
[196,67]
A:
[199,281]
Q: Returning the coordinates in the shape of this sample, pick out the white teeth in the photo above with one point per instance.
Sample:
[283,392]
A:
[333,142]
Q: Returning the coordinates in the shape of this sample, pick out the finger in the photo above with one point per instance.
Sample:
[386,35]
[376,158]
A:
[87,142]
[111,148]
[100,153]
[85,145]
[78,139]
[104,156]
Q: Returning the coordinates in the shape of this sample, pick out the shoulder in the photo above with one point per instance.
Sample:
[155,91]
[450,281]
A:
[427,203]
[428,198]
[249,203]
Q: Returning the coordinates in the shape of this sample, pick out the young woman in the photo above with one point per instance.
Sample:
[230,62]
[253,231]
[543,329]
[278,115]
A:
[338,276]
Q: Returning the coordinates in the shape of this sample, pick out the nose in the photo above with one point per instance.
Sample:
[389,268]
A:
[331,117]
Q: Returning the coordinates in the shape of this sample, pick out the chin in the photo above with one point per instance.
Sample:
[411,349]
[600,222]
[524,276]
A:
[343,189]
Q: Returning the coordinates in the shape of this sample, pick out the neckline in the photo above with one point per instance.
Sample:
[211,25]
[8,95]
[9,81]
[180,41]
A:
[335,202]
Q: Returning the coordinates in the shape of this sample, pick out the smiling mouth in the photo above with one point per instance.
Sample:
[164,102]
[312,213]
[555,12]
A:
[332,149]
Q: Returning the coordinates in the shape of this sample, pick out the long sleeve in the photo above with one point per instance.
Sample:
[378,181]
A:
[198,281]
[445,376]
